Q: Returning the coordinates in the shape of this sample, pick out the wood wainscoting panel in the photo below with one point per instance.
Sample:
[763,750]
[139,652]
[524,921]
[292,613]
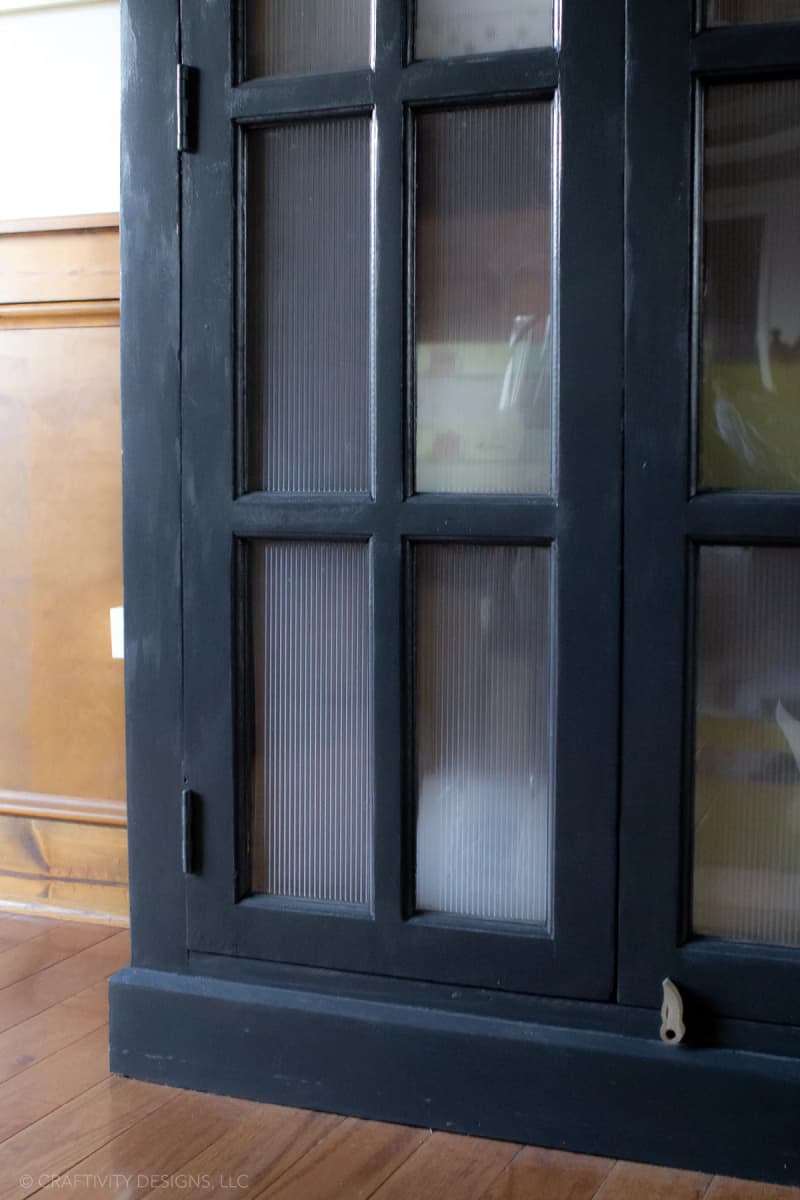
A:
[56,264]
[62,752]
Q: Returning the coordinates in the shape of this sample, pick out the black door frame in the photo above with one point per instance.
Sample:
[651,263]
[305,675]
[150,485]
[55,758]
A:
[669,60]
[578,958]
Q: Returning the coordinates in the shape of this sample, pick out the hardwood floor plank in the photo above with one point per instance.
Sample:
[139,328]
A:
[260,1150]
[349,1164]
[632,1181]
[148,1153]
[47,949]
[48,987]
[48,1148]
[551,1175]
[15,928]
[745,1189]
[33,1040]
[448,1165]
[46,1086]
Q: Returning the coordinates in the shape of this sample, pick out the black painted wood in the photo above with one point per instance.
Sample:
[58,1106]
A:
[664,523]
[151,433]
[600,1093]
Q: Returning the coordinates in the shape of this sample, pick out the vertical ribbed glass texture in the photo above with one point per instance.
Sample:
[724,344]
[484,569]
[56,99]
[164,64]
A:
[750,371]
[483,320]
[312,771]
[751,12]
[483,721]
[308,274]
[301,37]
[447,28]
[747,766]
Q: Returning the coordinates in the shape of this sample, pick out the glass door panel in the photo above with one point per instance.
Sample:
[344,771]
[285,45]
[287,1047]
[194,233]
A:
[483,717]
[747,745]
[312,765]
[447,28]
[750,377]
[750,12]
[308,280]
[484,303]
[301,37]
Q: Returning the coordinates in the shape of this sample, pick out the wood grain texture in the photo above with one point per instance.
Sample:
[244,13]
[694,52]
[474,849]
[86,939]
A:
[745,1189]
[552,1174]
[63,808]
[44,1150]
[59,264]
[15,929]
[69,314]
[31,1041]
[54,984]
[46,950]
[149,1152]
[51,224]
[261,1149]
[62,725]
[446,1165]
[52,1082]
[349,1164]
[629,1181]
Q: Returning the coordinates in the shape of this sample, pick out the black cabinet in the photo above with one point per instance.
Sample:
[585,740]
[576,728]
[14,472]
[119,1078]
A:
[462,439]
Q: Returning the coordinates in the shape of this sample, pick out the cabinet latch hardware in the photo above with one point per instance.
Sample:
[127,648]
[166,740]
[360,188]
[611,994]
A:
[672,1029]
[188,831]
[185,99]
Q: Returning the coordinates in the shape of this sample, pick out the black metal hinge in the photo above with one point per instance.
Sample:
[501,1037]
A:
[188,832]
[185,104]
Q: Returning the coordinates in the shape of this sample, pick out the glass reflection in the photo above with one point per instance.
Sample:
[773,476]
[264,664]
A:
[483,321]
[483,720]
[449,28]
[750,378]
[747,746]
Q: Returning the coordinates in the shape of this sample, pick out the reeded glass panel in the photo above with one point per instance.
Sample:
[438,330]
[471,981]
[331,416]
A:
[483,718]
[301,37]
[308,306]
[312,768]
[484,338]
[750,374]
[747,769]
[446,28]
[751,12]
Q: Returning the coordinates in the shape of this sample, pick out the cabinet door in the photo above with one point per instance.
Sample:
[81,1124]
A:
[711,884]
[401,499]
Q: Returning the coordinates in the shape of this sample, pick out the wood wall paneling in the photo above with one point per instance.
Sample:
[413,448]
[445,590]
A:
[62,754]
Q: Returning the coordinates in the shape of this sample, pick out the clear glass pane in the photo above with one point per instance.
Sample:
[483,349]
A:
[747,768]
[751,12]
[301,37]
[750,376]
[483,717]
[308,306]
[484,339]
[446,28]
[312,769]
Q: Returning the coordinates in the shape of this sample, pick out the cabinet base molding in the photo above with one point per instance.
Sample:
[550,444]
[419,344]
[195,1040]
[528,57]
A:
[713,1110]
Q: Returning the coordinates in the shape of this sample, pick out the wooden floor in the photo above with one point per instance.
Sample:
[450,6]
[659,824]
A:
[67,1126]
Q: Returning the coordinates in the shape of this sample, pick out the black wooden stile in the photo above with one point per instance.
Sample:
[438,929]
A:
[150,328]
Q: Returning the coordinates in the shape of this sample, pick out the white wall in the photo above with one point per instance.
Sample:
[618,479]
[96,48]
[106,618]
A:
[59,109]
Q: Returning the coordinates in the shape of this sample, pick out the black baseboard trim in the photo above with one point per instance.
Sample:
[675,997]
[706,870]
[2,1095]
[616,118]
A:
[719,1111]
